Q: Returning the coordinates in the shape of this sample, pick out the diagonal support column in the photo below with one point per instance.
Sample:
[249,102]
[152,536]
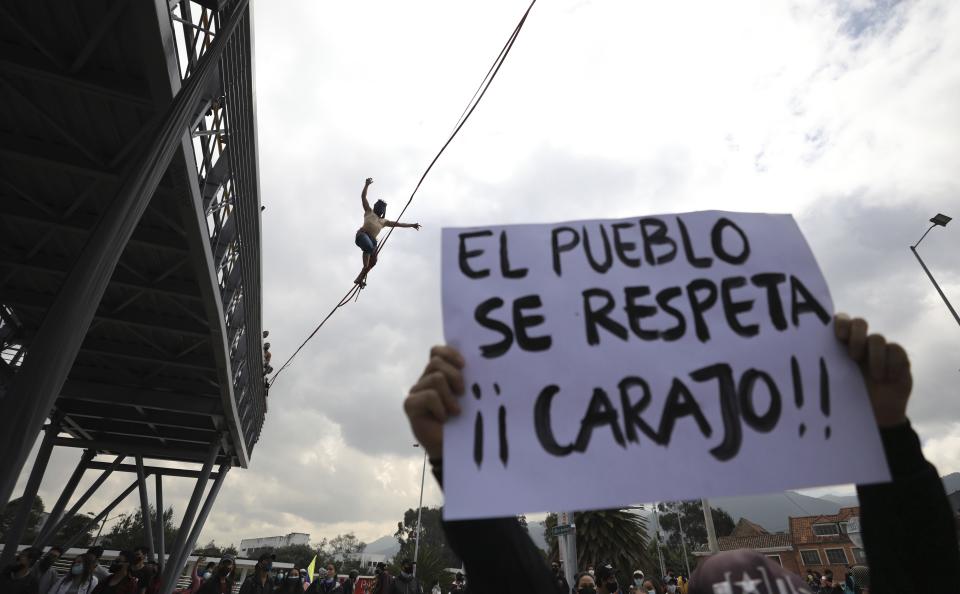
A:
[145,506]
[37,384]
[45,532]
[94,521]
[83,498]
[169,572]
[161,525]
[15,533]
[176,565]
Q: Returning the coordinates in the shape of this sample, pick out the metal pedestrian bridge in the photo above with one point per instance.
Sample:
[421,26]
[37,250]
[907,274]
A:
[130,272]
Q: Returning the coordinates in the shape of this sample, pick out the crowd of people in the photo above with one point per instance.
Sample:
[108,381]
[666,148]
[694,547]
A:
[34,572]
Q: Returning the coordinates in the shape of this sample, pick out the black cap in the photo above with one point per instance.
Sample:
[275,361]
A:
[745,570]
[604,571]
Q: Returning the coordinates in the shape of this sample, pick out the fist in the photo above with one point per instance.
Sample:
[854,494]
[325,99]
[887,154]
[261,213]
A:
[435,398]
[885,367]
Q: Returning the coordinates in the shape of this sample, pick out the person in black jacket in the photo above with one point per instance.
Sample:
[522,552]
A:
[906,523]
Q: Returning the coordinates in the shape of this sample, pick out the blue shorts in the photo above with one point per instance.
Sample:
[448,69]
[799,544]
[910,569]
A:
[366,243]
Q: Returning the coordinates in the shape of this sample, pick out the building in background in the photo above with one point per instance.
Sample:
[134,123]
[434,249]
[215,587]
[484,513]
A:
[249,546]
[821,542]
[749,535]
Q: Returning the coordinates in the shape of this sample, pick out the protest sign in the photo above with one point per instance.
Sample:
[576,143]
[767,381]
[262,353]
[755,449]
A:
[673,357]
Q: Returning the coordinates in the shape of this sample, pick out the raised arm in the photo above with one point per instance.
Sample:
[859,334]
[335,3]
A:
[363,194]
[402,225]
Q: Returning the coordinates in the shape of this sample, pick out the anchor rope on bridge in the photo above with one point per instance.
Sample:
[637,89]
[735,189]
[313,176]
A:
[354,292]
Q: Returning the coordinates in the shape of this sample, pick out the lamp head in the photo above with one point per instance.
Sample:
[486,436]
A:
[941,220]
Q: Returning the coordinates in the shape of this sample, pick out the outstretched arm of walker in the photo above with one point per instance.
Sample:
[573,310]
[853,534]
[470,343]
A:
[363,194]
[403,225]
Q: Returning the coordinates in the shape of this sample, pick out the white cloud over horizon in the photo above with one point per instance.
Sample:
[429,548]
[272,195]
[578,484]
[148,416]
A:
[843,113]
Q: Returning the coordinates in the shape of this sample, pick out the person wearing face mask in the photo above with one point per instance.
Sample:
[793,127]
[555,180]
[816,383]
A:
[292,583]
[221,580]
[382,580]
[672,586]
[459,585]
[140,569]
[406,583]
[118,580]
[650,586]
[45,571]
[326,582]
[637,583]
[260,582]
[17,578]
[80,579]
[585,583]
[606,577]
[559,579]
[350,583]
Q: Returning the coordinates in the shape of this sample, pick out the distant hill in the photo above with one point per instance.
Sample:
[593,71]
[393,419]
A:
[385,545]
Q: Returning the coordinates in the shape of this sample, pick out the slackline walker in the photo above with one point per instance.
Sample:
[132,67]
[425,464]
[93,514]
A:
[370,249]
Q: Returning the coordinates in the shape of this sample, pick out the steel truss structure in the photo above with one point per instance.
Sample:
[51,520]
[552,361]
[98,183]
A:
[130,273]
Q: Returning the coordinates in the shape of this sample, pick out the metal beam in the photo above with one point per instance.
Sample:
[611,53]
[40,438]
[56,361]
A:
[174,401]
[20,62]
[107,471]
[53,518]
[177,565]
[121,278]
[43,301]
[180,545]
[18,525]
[154,470]
[166,436]
[78,409]
[131,447]
[161,525]
[14,208]
[95,520]
[145,507]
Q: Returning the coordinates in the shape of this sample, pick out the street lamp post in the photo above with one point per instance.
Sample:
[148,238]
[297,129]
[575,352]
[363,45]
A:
[940,220]
[423,475]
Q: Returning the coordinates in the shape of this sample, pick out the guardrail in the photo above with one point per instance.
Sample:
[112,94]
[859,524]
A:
[225,148]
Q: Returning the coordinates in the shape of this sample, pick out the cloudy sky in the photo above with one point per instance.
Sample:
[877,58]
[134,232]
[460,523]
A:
[843,113]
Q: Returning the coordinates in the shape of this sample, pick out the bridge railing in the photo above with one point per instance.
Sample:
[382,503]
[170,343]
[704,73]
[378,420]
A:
[225,149]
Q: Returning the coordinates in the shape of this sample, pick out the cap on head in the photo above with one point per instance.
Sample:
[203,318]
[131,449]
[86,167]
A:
[606,571]
[741,565]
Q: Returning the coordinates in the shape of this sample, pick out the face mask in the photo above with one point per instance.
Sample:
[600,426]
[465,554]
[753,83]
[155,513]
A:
[115,567]
[587,590]
[267,566]
[651,592]
[638,582]
[671,589]
[590,571]
[76,569]
[293,579]
[612,586]
[408,569]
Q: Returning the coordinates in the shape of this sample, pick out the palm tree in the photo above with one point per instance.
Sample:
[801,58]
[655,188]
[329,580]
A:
[616,536]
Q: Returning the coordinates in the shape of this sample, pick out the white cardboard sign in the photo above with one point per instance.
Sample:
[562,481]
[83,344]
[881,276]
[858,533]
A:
[673,357]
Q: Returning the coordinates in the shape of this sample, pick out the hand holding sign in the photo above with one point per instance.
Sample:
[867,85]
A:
[694,347]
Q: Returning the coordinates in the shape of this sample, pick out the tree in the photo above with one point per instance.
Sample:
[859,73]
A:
[618,536]
[431,535]
[33,518]
[213,551]
[74,527]
[128,532]
[298,554]
[694,528]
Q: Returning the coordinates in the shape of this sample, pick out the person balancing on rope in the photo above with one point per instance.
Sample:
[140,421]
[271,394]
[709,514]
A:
[374,219]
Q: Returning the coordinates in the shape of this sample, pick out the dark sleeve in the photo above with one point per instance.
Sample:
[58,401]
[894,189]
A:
[498,554]
[909,534]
